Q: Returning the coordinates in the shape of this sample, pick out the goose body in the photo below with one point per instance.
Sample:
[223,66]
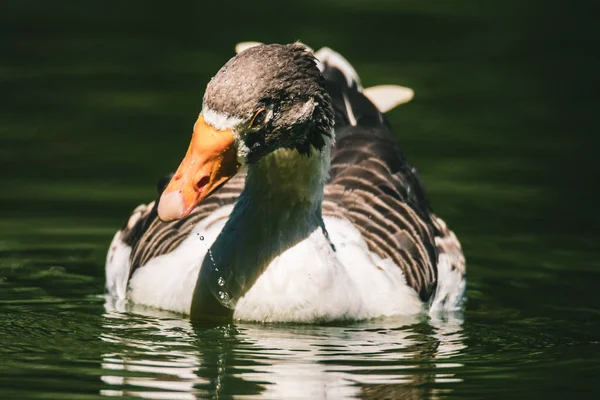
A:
[318,224]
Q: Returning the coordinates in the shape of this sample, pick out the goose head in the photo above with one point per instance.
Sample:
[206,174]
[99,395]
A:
[268,98]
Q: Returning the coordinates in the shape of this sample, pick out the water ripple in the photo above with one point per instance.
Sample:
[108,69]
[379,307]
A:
[162,356]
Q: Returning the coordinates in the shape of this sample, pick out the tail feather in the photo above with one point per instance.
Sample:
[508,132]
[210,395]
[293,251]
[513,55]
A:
[388,97]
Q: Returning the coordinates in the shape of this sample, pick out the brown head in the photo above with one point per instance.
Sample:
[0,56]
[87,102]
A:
[266,98]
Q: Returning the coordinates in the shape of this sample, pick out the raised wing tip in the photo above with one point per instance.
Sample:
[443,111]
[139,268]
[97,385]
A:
[325,55]
[241,46]
[388,97]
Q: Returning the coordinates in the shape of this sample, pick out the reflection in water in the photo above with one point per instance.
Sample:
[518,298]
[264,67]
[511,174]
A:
[158,355]
[163,356]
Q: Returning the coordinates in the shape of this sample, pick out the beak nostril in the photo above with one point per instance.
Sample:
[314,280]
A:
[202,182]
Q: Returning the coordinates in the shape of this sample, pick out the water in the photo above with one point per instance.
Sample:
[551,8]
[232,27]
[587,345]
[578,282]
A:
[98,101]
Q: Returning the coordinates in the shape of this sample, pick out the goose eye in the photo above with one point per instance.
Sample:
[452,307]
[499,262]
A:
[259,117]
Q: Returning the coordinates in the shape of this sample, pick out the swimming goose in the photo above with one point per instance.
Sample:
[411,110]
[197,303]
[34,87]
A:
[293,203]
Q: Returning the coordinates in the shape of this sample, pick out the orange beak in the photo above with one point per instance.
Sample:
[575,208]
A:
[210,162]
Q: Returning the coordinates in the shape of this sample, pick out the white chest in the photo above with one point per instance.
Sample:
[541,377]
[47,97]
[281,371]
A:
[308,282]
[311,282]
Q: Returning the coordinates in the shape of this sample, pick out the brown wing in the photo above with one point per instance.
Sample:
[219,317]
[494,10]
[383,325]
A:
[379,192]
[374,187]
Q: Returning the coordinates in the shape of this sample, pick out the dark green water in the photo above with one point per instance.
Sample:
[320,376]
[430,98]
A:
[97,100]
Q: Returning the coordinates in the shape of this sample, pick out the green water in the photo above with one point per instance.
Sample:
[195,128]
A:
[97,100]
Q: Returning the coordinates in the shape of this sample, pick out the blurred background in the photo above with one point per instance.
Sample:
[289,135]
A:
[98,100]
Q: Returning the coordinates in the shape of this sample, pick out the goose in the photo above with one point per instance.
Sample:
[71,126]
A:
[293,203]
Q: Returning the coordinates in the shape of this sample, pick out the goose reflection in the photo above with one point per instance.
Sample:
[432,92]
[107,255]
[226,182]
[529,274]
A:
[159,355]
